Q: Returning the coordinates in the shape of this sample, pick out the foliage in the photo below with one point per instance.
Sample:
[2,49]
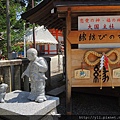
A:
[17,25]
[17,48]
[17,7]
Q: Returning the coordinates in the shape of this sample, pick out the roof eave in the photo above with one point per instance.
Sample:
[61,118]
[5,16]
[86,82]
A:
[86,3]
[35,9]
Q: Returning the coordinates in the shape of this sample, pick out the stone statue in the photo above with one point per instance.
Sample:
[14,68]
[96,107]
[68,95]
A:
[3,88]
[36,72]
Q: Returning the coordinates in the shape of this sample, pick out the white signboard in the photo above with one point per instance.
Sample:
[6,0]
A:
[98,22]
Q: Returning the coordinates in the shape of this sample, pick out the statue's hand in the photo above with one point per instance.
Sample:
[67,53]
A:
[22,75]
[35,62]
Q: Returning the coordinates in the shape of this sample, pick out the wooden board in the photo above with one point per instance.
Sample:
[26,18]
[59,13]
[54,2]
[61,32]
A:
[77,56]
[94,36]
[89,8]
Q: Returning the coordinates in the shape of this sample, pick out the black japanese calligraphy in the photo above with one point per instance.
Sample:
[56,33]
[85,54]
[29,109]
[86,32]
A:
[111,36]
[102,36]
[82,37]
[92,36]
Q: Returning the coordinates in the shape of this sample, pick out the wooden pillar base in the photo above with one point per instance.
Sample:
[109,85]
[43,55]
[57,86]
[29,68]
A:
[69,113]
[119,100]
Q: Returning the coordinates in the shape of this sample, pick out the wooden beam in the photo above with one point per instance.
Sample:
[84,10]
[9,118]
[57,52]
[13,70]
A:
[59,26]
[51,20]
[10,62]
[68,64]
[61,15]
[42,20]
[89,8]
[55,24]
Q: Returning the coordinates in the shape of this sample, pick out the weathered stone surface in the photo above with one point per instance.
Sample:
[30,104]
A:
[18,104]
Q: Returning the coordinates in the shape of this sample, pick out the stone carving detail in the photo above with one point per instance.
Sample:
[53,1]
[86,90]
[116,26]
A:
[36,72]
[3,88]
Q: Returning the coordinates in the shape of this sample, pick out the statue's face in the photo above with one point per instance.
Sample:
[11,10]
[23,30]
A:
[31,56]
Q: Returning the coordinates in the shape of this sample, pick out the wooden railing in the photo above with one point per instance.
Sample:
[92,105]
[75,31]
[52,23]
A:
[11,71]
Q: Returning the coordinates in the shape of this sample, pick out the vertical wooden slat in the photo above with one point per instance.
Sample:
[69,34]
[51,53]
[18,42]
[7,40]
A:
[26,80]
[17,80]
[7,77]
[68,64]
[26,84]
[48,73]
[64,58]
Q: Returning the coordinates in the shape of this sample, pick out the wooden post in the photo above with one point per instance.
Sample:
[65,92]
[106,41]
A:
[58,49]
[68,64]
[17,77]
[64,58]
[25,85]
[7,77]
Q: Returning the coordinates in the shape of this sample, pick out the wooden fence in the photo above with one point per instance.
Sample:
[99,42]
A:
[11,71]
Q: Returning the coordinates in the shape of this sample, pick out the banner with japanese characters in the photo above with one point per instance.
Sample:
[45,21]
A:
[98,22]
[94,36]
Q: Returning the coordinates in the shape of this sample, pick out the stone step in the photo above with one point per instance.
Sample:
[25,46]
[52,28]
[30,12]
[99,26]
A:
[57,91]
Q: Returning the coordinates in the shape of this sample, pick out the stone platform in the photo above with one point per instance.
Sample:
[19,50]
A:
[17,107]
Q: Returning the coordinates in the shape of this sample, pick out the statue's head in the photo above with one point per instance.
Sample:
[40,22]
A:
[32,54]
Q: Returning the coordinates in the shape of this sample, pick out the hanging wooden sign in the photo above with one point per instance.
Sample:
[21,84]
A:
[94,36]
[116,73]
[81,74]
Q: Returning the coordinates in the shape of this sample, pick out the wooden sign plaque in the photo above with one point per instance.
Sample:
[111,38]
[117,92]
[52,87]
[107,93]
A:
[116,73]
[81,74]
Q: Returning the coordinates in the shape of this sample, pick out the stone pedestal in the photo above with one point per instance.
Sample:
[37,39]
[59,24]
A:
[18,107]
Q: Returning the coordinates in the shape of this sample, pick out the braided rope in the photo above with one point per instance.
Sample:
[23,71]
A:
[100,55]
[117,54]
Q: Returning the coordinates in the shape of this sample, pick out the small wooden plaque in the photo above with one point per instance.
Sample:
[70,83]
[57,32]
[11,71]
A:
[116,73]
[82,74]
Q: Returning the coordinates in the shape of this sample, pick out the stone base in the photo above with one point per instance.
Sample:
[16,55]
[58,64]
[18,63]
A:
[18,106]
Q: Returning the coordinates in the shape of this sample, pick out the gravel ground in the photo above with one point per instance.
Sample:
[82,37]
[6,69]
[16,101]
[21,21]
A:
[85,105]
[90,104]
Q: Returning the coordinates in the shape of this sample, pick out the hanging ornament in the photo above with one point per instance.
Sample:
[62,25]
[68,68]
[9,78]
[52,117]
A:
[106,62]
[105,77]
[96,74]
[82,73]
[101,62]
